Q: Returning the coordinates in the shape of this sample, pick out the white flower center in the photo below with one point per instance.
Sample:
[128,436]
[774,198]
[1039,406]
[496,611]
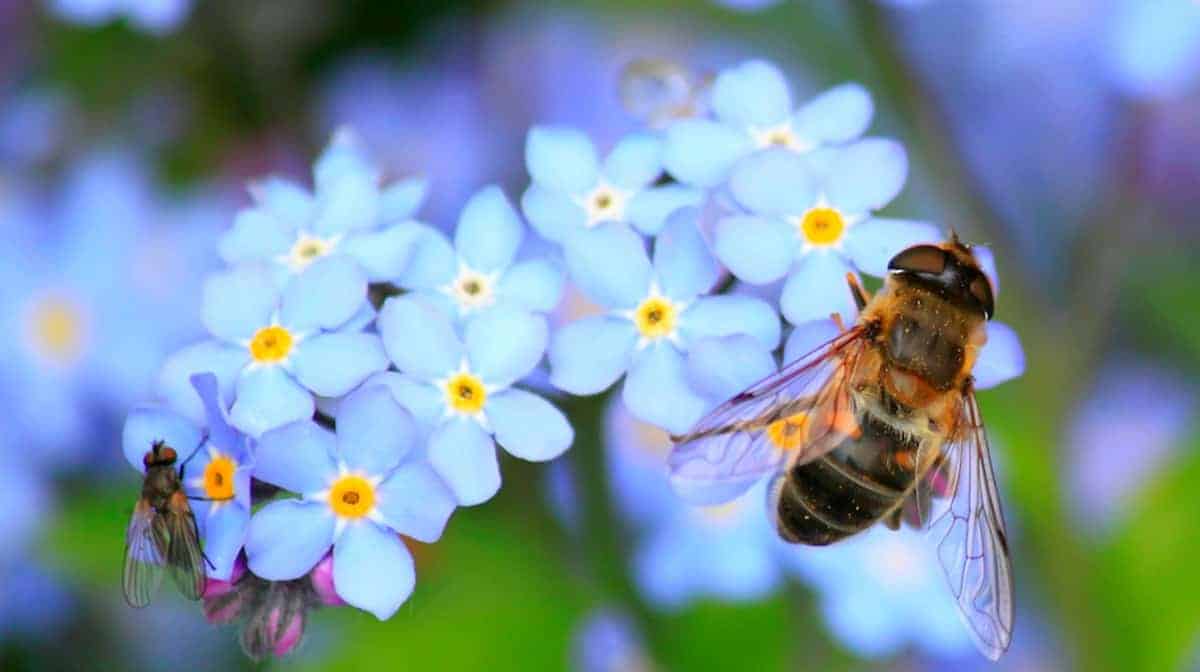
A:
[781,135]
[605,203]
[472,290]
[307,249]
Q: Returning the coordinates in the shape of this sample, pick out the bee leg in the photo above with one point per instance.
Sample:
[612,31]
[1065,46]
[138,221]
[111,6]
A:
[861,296]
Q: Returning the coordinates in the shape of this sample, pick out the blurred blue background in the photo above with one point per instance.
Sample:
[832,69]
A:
[1065,135]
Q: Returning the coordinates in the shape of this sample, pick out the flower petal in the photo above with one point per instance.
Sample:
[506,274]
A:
[267,398]
[287,538]
[383,255]
[720,367]
[588,355]
[424,401]
[535,285]
[344,155]
[657,391]
[684,266]
[731,314]
[400,200]
[148,424]
[290,204]
[419,338]
[333,364]
[174,382]
[433,262]
[757,250]
[465,457]
[753,94]
[374,432]
[635,161]
[561,159]
[528,426]
[552,213]
[489,231]
[416,502]
[372,570]
[649,209]
[351,203]
[807,337]
[609,263]
[238,302]
[700,152]
[817,288]
[255,236]
[326,295]
[1001,359]
[299,457]
[224,535]
[504,343]
[837,115]
[871,244]
[774,182]
[866,175]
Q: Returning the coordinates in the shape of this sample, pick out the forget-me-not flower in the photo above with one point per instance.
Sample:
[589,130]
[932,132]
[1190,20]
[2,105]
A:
[572,189]
[359,488]
[754,110]
[273,350]
[349,215]
[461,389]
[607,641]
[1153,48]
[481,269]
[812,219]
[657,316]
[157,17]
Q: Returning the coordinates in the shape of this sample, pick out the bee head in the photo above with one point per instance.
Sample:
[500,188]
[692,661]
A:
[159,453]
[951,270]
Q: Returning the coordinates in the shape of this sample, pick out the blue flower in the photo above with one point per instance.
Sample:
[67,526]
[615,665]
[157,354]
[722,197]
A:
[273,350]
[157,17]
[461,390]
[882,591]
[812,219]
[350,216]
[659,327]
[217,465]
[572,190]
[1154,47]
[359,488]
[754,111]
[684,552]
[607,641]
[481,270]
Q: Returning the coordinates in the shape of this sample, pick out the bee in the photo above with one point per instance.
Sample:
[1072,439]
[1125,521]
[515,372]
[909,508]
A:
[162,533]
[880,424]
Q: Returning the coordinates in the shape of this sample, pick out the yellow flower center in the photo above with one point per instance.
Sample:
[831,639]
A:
[218,478]
[822,226]
[57,329]
[655,317]
[352,497]
[465,393]
[779,136]
[306,250]
[721,515]
[271,344]
[788,433]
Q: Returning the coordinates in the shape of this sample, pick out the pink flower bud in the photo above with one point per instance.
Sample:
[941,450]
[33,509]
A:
[288,636]
[223,608]
[217,587]
[321,578]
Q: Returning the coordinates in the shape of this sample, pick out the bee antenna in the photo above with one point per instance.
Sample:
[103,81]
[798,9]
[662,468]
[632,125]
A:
[157,445]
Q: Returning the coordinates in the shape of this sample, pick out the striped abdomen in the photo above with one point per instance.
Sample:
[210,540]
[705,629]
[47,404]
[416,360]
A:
[848,489]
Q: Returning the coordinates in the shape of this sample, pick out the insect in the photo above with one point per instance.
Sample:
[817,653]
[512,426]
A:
[878,424]
[162,534]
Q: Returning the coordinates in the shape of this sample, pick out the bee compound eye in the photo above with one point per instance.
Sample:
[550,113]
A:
[981,289]
[920,259]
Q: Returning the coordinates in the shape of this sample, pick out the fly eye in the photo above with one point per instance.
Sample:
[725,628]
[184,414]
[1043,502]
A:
[981,289]
[920,259]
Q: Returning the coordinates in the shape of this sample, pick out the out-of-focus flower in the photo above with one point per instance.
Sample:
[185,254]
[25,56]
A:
[358,488]
[33,602]
[34,126]
[350,215]
[748,5]
[754,110]
[812,219]
[461,389]
[481,269]
[158,17]
[881,591]
[573,190]
[1154,47]
[660,326]
[274,349]
[1125,429]
[607,641]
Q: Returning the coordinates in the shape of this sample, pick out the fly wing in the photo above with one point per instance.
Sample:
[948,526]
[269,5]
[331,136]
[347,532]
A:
[146,544]
[749,436]
[967,525]
[184,557]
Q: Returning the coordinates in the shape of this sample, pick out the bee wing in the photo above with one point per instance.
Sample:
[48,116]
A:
[184,557]
[146,543]
[731,448]
[967,524]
